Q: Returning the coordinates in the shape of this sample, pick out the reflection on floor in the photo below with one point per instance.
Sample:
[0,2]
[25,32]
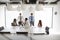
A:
[46,37]
[13,37]
[32,37]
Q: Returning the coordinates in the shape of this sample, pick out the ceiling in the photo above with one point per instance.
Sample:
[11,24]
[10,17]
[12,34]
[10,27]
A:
[30,1]
[20,0]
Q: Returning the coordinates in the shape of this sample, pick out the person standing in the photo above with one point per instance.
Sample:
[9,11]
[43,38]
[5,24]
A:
[20,22]
[31,20]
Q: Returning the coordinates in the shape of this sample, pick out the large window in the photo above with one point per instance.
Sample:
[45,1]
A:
[45,15]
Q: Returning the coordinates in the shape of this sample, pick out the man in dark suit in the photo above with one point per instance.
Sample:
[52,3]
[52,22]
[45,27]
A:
[47,30]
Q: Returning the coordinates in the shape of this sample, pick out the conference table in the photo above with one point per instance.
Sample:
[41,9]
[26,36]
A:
[22,30]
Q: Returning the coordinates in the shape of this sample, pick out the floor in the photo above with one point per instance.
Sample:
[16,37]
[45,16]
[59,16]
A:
[13,37]
[46,37]
[32,37]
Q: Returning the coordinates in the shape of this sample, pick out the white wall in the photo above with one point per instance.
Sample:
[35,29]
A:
[2,17]
[56,19]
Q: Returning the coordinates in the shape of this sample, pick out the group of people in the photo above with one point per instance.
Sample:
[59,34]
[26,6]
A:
[27,21]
